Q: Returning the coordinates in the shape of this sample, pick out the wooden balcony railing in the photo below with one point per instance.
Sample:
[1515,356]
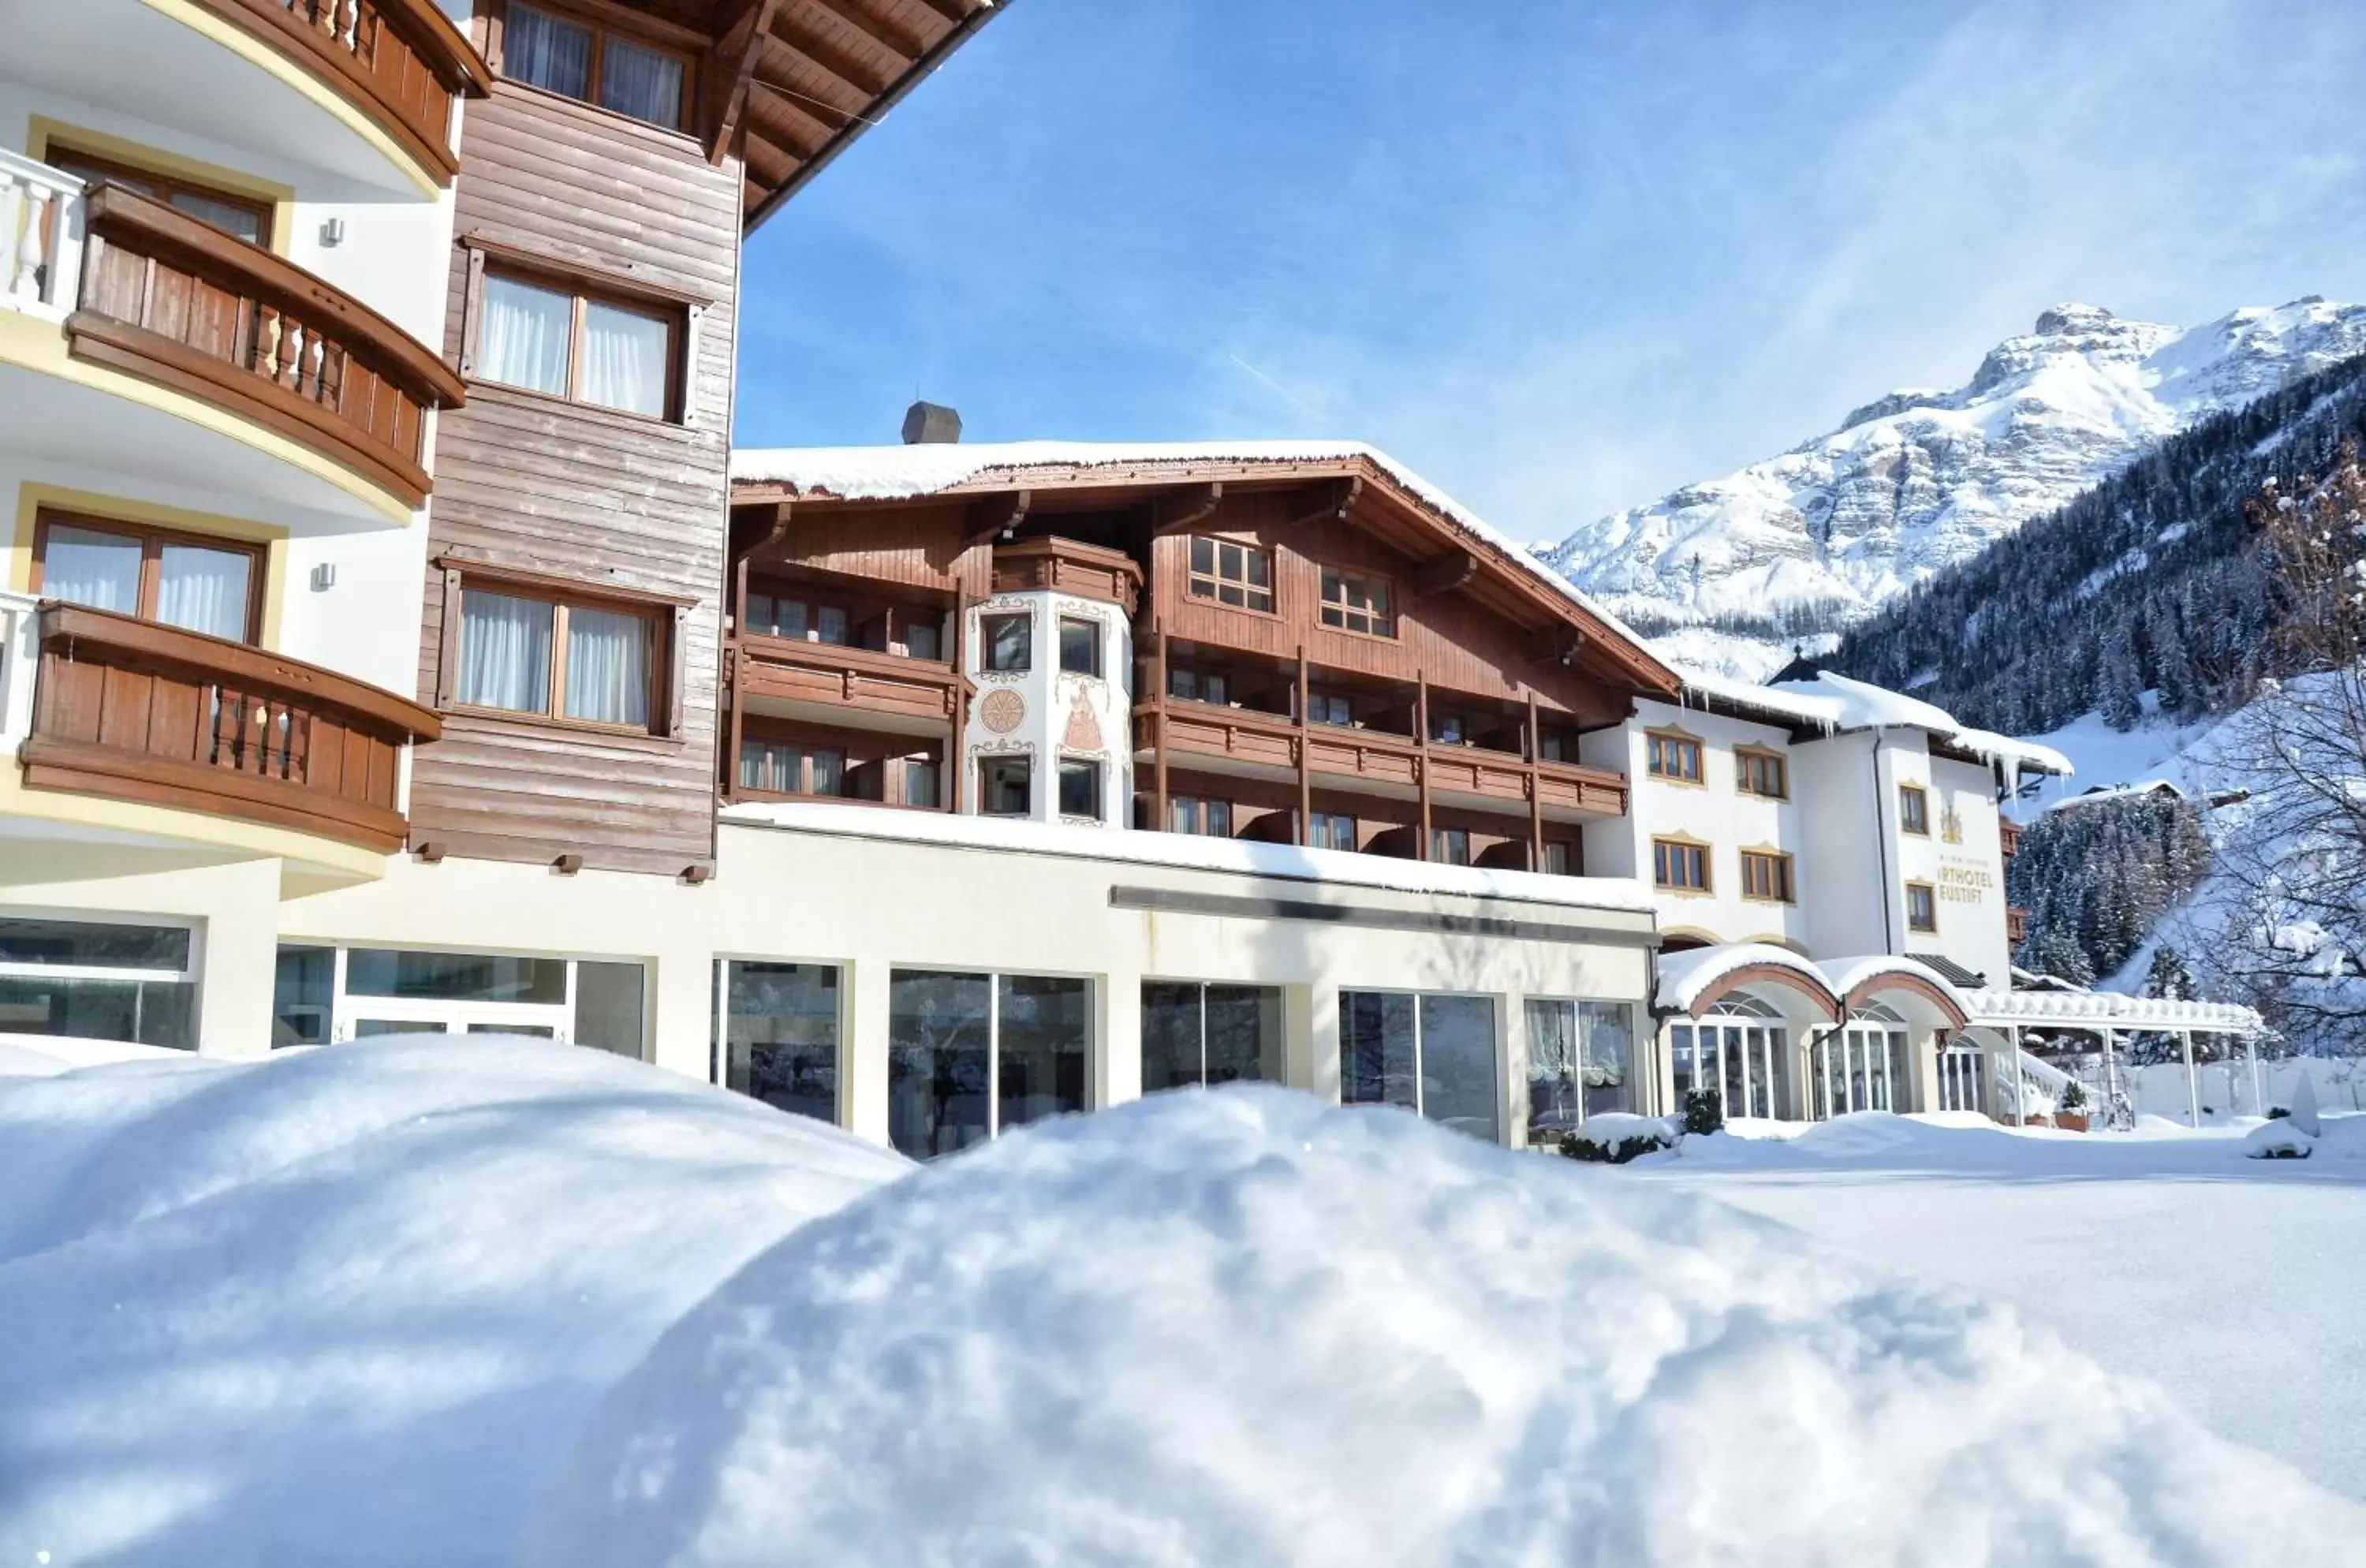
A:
[859,680]
[1183,729]
[2008,836]
[401,63]
[131,710]
[2016,926]
[178,302]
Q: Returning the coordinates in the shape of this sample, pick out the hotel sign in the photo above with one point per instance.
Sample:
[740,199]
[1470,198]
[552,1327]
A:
[1964,881]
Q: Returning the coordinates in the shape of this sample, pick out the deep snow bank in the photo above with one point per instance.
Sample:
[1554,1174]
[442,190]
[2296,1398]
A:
[1237,1329]
[351,1307]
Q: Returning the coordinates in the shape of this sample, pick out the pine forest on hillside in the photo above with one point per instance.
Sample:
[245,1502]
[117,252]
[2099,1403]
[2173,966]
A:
[2146,581]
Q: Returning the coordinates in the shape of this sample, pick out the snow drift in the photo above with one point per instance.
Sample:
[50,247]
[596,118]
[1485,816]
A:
[351,1307]
[1240,1328]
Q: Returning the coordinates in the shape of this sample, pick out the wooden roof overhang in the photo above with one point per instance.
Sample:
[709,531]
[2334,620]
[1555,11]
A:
[1444,555]
[790,84]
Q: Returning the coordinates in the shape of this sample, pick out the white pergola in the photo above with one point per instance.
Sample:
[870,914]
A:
[2108,1015]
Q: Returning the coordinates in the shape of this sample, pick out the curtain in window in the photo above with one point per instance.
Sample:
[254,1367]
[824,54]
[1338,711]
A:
[504,652]
[608,666]
[625,359]
[524,338]
[203,591]
[239,220]
[84,567]
[545,51]
[641,83]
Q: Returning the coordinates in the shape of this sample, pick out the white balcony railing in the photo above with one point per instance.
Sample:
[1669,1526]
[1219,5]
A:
[40,236]
[21,658]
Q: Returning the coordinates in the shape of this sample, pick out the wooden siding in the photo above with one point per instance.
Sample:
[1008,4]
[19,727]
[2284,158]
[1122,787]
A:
[609,499]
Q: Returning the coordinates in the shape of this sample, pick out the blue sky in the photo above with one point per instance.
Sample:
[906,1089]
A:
[1559,256]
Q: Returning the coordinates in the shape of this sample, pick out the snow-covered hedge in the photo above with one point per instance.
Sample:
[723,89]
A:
[1616,1137]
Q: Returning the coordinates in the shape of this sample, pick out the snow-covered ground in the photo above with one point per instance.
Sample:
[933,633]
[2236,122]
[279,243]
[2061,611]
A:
[2234,1283]
[352,1306]
[487,1302]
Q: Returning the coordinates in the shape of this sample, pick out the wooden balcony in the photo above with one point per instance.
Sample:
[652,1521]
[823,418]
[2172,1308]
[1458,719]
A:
[2016,926]
[401,62]
[1187,731]
[2008,837]
[1065,566]
[130,710]
[178,302]
[855,680]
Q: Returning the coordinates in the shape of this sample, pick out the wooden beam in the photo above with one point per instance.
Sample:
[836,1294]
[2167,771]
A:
[1177,511]
[957,764]
[952,11]
[730,67]
[1333,503]
[1159,823]
[1557,644]
[1421,757]
[1444,574]
[1536,794]
[906,48]
[814,48]
[1305,757]
[996,516]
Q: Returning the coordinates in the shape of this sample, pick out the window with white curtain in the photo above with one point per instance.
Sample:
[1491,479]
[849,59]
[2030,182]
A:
[548,338]
[179,580]
[594,64]
[521,652]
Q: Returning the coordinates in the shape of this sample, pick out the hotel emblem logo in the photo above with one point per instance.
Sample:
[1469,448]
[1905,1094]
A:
[1951,827]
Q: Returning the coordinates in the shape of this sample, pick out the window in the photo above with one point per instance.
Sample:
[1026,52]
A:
[177,579]
[1446,729]
[402,974]
[242,217]
[1330,709]
[1432,1054]
[1357,604]
[1556,858]
[303,996]
[777,1039]
[1921,907]
[594,66]
[1236,574]
[1913,810]
[1676,757]
[97,980]
[1208,1034]
[920,784]
[1198,685]
[1763,773]
[553,338]
[1551,747]
[1332,830]
[1190,814]
[780,767]
[924,639]
[1007,786]
[1009,642]
[523,652]
[1080,646]
[1766,876]
[608,1011]
[1449,846]
[1080,788]
[969,1055]
[1678,864]
[1581,1063]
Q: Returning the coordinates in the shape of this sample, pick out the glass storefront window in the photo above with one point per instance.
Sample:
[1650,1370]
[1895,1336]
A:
[781,1035]
[455,976]
[1581,1062]
[303,996]
[939,1061]
[1193,1033]
[128,982]
[1431,1053]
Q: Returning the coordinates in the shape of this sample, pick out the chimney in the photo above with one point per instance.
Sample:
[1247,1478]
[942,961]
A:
[930,423]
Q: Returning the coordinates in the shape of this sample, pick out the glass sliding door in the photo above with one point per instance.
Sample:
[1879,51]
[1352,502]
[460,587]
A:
[1744,1056]
[1960,1077]
[1431,1053]
[778,1034]
[1861,1067]
[971,1055]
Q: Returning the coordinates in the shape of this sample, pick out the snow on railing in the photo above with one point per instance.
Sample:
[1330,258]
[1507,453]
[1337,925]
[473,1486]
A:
[2109,1009]
[41,235]
[20,638]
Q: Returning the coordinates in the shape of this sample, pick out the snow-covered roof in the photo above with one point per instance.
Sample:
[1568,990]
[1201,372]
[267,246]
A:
[2094,1010]
[1834,703]
[923,468]
[2099,794]
[1187,852]
[1846,974]
[1685,977]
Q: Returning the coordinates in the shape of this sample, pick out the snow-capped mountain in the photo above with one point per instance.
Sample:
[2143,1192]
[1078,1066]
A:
[1731,573]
